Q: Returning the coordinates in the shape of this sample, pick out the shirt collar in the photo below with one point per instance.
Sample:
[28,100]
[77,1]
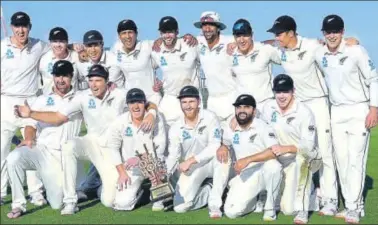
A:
[108,95]
[251,126]
[29,45]
[297,46]
[176,48]
[292,109]
[340,49]
[68,57]
[137,48]
[102,59]
[200,118]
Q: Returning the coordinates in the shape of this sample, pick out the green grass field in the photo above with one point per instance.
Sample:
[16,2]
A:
[92,212]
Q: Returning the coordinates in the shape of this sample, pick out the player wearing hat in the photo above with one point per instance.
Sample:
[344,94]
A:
[20,55]
[294,126]
[124,140]
[193,139]
[58,38]
[251,137]
[44,151]
[99,107]
[178,63]
[352,82]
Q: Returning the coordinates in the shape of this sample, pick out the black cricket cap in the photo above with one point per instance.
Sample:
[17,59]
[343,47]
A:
[333,23]
[62,68]
[188,91]
[127,25]
[58,34]
[242,27]
[283,82]
[168,23]
[98,70]
[135,95]
[92,36]
[20,19]
[245,99]
[283,24]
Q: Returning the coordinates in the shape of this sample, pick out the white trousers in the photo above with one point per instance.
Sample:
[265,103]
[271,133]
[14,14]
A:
[327,172]
[88,148]
[48,164]
[245,187]
[351,142]
[299,193]
[221,105]
[189,195]
[9,125]
[171,108]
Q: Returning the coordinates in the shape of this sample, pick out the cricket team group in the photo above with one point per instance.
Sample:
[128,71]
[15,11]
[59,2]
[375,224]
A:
[218,118]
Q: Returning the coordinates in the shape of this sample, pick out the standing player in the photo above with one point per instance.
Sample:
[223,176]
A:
[97,105]
[294,126]
[352,82]
[44,155]
[251,137]
[20,55]
[177,61]
[58,38]
[124,139]
[193,140]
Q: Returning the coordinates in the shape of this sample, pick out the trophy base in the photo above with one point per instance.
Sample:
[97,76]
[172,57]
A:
[161,191]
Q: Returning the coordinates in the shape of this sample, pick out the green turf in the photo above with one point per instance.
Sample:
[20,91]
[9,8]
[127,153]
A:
[94,212]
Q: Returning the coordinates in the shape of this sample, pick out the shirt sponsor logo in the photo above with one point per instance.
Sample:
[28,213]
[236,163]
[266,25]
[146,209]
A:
[128,132]
[186,135]
[217,133]
[50,67]
[324,62]
[371,64]
[50,101]
[236,139]
[283,56]
[235,62]
[273,118]
[119,56]
[163,62]
[9,54]
[91,104]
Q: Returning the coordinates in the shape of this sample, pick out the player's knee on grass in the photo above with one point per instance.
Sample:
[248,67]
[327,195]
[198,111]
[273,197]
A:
[233,211]
[182,207]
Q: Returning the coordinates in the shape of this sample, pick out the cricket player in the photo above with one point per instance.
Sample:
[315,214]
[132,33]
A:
[294,126]
[124,140]
[58,38]
[251,137]
[42,152]
[178,63]
[193,142]
[252,64]
[99,107]
[352,82]
[20,55]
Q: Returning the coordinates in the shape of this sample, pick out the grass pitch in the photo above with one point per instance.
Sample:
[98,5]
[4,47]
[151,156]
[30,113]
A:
[92,212]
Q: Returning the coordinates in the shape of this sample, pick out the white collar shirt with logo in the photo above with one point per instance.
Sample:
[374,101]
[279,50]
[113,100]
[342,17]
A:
[97,113]
[350,75]
[46,65]
[253,71]
[300,64]
[178,66]
[216,66]
[295,127]
[124,139]
[109,61]
[137,66]
[200,142]
[19,67]
[53,136]
[254,139]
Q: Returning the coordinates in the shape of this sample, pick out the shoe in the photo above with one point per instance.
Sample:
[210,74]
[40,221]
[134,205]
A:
[81,196]
[342,214]
[259,207]
[38,200]
[158,206]
[301,217]
[215,213]
[352,216]
[69,209]
[329,209]
[269,215]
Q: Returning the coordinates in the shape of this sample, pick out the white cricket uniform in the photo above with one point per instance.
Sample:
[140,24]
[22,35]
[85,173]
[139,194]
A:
[352,82]
[300,64]
[138,68]
[45,156]
[46,66]
[19,82]
[296,127]
[124,140]
[98,114]
[253,72]
[108,60]
[179,68]
[200,142]
[244,188]
[220,82]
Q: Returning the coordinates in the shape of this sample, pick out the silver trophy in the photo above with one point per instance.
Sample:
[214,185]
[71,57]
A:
[152,167]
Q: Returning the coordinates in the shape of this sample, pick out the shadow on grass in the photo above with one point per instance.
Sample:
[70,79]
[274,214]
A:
[88,204]
[36,209]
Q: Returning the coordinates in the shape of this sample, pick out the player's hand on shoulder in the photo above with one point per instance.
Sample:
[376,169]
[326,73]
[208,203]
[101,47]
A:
[22,111]
[190,40]
[231,47]
[156,45]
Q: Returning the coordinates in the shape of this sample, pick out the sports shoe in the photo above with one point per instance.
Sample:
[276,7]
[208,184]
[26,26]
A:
[342,214]
[352,216]
[158,206]
[301,217]
[269,215]
[38,200]
[69,209]
[215,212]
[259,207]
[329,208]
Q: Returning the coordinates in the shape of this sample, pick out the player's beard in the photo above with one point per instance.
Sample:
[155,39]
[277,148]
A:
[243,121]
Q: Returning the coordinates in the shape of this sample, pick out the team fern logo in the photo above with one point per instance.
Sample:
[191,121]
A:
[288,121]
[252,138]
[254,55]
[342,60]
[182,56]
[136,54]
[300,55]
[200,130]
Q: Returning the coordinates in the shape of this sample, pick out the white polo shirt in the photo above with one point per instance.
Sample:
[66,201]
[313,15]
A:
[202,141]
[178,66]
[350,75]
[300,64]
[295,127]
[124,138]
[137,66]
[46,66]
[53,136]
[19,67]
[246,142]
[97,113]
[109,61]
[254,70]
[216,66]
